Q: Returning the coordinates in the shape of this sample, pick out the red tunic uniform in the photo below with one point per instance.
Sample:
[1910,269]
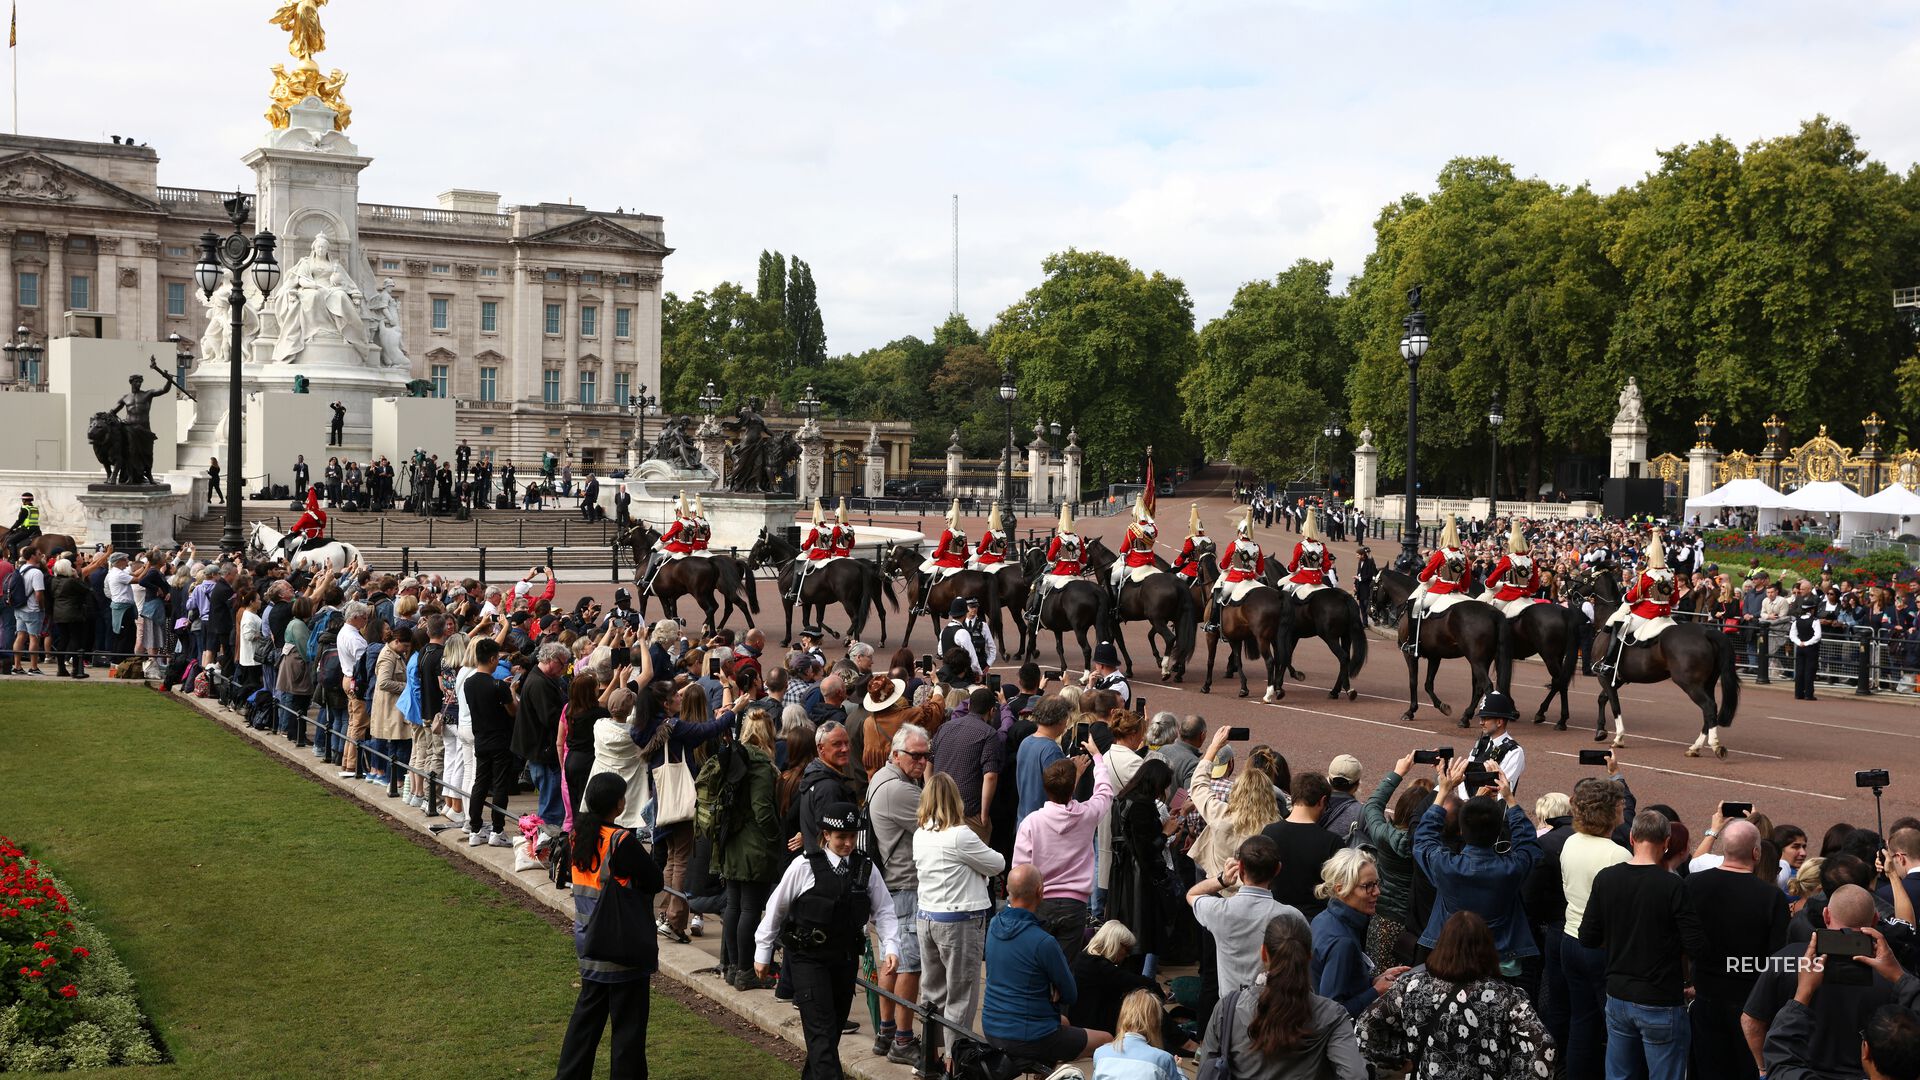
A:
[952,552]
[1245,561]
[1189,560]
[700,535]
[1640,596]
[1505,589]
[992,550]
[843,541]
[819,543]
[1137,546]
[312,524]
[675,539]
[1431,574]
[1309,575]
[1065,556]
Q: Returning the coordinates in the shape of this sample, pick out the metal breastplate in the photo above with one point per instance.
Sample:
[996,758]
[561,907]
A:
[1244,557]
[1310,557]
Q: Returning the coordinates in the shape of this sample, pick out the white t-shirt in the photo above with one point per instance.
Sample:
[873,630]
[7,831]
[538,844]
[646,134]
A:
[1581,860]
[119,585]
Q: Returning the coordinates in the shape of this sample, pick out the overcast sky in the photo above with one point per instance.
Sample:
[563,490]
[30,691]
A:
[1216,141]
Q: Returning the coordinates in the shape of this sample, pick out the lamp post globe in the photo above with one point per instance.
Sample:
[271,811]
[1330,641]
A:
[1008,392]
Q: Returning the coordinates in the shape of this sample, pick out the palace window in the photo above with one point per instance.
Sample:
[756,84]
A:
[489,383]
[553,319]
[622,387]
[80,293]
[486,430]
[587,387]
[440,312]
[589,321]
[176,298]
[439,380]
[489,316]
[175,251]
[623,322]
[489,271]
[389,264]
[29,289]
[80,244]
[550,386]
[553,275]
[626,279]
[442,268]
[589,278]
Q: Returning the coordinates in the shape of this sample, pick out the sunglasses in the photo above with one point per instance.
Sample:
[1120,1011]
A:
[917,755]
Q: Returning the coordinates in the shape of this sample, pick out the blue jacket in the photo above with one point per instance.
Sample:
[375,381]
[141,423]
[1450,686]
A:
[1341,970]
[1029,986]
[1480,880]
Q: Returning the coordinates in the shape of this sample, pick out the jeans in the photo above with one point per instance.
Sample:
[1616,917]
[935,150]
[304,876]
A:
[1553,1004]
[1647,1040]
[330,733]
[1586,975]
[1066,919]
[546,780]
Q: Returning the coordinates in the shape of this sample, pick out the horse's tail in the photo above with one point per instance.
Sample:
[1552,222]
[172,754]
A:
[1729,680]
[1185,627]
[1502,651]
[1571,659]
[747,583]
[1356,638]
[993,600]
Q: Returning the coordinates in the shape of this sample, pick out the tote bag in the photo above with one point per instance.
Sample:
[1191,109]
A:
[1214,1066]
[621,928]
[673,790]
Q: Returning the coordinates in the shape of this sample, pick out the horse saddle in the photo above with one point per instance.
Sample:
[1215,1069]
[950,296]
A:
[1512,609]
[1434,603]
[1638,631]
[1055,581]
[1141,573]
[1300,590]
[1237,591]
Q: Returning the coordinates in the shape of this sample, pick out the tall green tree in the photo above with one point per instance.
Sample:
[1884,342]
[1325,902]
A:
[716,336]
[806,332]
[1286,330]
[1101,346]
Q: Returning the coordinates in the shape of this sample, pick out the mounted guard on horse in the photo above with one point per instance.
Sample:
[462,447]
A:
[311,526]
[1312,563]
[676,542]
[1647,613]
[1136,559]
[1245,568]
[991,553]
[1514,583]
[821,546]
[1066,560]
[949,555]
[1443,583]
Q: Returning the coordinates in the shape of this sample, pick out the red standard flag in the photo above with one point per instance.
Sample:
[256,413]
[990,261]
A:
[1152,493]
[13,27]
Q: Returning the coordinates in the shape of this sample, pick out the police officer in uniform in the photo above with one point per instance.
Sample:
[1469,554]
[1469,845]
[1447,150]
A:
[26,525]
[819,914]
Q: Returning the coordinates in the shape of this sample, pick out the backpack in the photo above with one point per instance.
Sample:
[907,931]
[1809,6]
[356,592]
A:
[364,670]
[13,591]
[714,791]
[202,686]
[326,620]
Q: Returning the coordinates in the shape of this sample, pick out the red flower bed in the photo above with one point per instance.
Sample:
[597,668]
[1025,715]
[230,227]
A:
[37,958]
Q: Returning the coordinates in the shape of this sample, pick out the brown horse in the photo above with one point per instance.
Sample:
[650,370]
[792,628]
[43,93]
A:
[700,577]
[1079,606]
[852,583]
[51,545]
[904,562]
[1469,629]
[1254,621]
[1693,655]
[1160,600]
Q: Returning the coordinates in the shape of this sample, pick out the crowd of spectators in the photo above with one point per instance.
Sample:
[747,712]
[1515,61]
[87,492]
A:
[1045,850]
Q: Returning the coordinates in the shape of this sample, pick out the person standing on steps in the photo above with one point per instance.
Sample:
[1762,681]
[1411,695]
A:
[336,431]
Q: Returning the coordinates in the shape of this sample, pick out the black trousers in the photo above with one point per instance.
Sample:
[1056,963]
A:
[493,776]
[823,990]
[746,902]
[1719,1047]
[627,1005]
[1806,658]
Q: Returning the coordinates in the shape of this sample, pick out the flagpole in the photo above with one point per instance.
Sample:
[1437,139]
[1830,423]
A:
[13,47]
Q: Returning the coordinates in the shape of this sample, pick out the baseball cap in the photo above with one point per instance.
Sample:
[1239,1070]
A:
[1346,767]
[1222,762]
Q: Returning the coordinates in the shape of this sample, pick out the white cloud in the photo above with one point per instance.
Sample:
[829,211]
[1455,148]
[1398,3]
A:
[1216,141]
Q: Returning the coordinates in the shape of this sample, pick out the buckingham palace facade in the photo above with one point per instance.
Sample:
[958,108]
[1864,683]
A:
[539,320]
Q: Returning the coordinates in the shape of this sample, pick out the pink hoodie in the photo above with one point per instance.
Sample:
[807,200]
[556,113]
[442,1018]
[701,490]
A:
[1058,840]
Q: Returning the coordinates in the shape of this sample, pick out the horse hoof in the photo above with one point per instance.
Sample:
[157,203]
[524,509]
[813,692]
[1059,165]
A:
[1693,751]
[1334,694]
[1207,689]
[1540,718]
[1720,752]
[1274,694]
[1619,740]
[1353,695]
[1445,709]
[1243,691]
[1463,721]
[1561,726]
[1405,716]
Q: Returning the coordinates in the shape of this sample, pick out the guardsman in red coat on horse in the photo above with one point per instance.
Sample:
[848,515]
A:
[991,553]
[311,526]
[1244,565]
[1136,547]
[842,532]
[817,548]
[1514,581]
[1311,562]
[1444,575]
[1196,544]
[1648,609]
[1066,560]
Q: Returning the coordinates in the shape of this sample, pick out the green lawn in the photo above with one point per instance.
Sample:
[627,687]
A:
[277,929]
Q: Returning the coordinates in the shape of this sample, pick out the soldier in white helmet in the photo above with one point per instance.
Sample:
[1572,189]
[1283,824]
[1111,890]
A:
[1066,560]
[1242,562]
[842,532]
[676,542]
[1515,579]
[815,549]
[991,553]
[1648,609]
[949,554]
[1444,574]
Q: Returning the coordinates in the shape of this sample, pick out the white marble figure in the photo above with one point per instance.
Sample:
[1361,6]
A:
[318,301]
[217,338]
[1629,403]
[383,315]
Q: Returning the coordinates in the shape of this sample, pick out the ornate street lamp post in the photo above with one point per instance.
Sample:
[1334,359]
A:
[25,354]
[809,404]
[1413,346]
[1008,392]
[709,401]
[1330,431]
[232,255]
[1494,419]
[637,406]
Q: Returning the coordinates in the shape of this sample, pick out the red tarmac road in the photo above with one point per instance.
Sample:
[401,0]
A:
[1794,760]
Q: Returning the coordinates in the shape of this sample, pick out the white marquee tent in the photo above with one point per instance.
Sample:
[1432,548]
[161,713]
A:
[1741,493]
[1887,509]
[1833,497]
